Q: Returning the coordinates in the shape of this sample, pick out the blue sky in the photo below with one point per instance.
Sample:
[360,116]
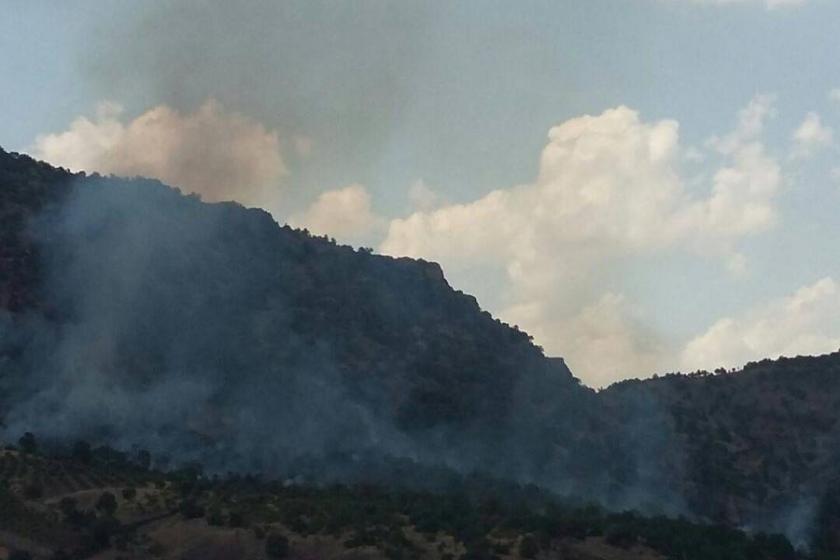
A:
[682,225]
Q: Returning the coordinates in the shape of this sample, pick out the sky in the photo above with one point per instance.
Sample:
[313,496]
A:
[645,186]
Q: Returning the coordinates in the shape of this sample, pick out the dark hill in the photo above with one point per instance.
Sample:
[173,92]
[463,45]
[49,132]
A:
[131,315]
[136,313]
[760,446]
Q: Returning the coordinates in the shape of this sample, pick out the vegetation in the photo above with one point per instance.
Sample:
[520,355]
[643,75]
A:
[478,517]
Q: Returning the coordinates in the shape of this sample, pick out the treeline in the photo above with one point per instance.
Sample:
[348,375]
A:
[489,517]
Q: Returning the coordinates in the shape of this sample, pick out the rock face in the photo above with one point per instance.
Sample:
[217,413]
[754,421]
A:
[133,315]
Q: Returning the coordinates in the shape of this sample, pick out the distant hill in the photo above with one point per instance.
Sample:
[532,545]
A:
[760,446]
[132,315]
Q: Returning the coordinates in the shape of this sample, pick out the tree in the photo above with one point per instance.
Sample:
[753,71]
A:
[27,443]
[129,493]
[529,547]
[82,452]
[214,517]
[236,519]
[67,505]
[33,490]
[107,503]
[144,459]
[277,546]
[190,509]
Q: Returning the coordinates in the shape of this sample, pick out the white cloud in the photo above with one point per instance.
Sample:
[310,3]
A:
[604,341]
[749,125]
[811,136]
[609,186]
[345,214]
[422,197]
[217,154]
[804,323]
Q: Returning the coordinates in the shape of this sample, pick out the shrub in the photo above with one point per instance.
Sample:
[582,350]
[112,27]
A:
[27,443]
[529,547]
[33,490]
[214,517]
[236,519]
[276,546]
[191,510]
[82,452]
[107,503]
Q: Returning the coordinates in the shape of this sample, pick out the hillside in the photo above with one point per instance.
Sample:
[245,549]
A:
[133,316]
[759,445]
[135,287]
[98,503]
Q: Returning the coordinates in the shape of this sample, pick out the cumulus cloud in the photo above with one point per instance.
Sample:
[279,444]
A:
[345,214]
[217,154]
[422,197]
[806,322]
[604,341]
[811,136]
[609,186]
[749,126]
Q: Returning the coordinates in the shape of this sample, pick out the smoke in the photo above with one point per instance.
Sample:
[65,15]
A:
[166,310]
[210,152]
[188,329]
[337,75]
[191,329]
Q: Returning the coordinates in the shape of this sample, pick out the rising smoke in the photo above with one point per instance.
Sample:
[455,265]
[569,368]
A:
[175,325]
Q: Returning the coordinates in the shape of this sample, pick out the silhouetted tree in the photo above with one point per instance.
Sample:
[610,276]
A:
[27,443]
[276,546]
[107,503]
[82,452]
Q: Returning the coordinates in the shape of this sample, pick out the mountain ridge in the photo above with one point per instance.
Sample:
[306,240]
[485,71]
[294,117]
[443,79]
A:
[136,315]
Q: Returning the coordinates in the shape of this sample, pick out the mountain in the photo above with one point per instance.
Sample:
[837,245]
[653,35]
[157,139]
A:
[760,446]
[136,317]
[139,315]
